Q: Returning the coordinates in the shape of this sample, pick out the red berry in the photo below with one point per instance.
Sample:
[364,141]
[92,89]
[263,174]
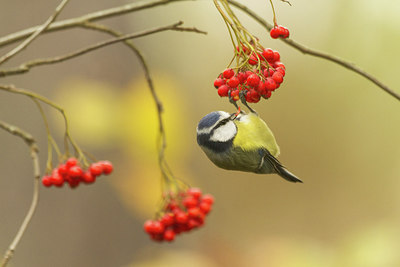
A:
[268,54]
[277,77]
[194,212]
[207,198]
[223,90]
[63,169]
[189,201]
[88,177]
[56,178]
[218,82]
[281,70]
[195,192]
[268,72]
[235,95]
[181,217]
[253,60]
[169,235]
[149,226]
[205,207]
[253,80]
[96,169]
[267,95]
[75,172]
[233,82]
[71,162]
[73,183]
[107,167]
[167,219]
[242,77]
[270,84]
[228,73]
[158,227]
[279,64]
[277,56]
[274,33]
[46,181]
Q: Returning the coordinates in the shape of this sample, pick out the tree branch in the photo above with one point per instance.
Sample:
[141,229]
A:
[36,174]
[312,52]
[35,34]
[25,67]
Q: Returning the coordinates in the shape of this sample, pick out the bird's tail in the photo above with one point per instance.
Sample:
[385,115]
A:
[280,169]
[284,173]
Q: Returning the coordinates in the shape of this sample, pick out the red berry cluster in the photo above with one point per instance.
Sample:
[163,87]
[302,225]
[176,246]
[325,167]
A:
[255,83]
[279,31]
[72,173]
[182,213]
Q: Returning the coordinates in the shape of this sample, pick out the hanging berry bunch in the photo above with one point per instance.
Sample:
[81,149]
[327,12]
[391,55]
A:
[181,212]
[259,71]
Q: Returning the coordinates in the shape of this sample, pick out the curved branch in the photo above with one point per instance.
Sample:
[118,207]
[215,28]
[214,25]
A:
[35,34]
[312,52]
[25,67]
[35,198]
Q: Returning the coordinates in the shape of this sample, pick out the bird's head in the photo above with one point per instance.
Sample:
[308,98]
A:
[217,130]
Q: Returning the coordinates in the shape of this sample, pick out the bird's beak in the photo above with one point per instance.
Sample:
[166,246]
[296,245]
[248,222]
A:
[234,115]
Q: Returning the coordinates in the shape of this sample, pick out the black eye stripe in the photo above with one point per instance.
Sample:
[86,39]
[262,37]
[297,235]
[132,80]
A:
[221,123]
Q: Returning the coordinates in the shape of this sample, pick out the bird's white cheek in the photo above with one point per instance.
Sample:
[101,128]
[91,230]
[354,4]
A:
[224,133]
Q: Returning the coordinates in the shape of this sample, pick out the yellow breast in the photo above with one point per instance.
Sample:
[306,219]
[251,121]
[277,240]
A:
[253,134]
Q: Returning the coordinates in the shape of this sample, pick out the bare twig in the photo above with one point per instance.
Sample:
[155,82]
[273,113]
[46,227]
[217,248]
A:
[36,174]
[35,34]
[25,67]
[312,52]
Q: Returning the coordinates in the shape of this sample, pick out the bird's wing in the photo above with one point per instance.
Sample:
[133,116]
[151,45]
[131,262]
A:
[267,158]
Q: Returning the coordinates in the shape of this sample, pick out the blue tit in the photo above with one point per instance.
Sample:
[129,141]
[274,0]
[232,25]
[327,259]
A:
[241,142]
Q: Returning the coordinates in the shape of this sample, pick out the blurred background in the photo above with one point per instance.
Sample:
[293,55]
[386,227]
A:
[337,131]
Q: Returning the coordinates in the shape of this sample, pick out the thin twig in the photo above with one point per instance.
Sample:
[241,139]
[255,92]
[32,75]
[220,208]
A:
[35,198]
[35,34]
[312,52]
[25,67]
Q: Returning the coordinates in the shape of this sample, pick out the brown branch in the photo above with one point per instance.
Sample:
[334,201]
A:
[25,67]
[312,52]
[35,34]
[29,140]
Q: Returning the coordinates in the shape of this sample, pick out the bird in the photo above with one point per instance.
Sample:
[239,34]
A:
[242,142]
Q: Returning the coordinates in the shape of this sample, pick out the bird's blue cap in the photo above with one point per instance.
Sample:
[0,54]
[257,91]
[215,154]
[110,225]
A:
[209,120]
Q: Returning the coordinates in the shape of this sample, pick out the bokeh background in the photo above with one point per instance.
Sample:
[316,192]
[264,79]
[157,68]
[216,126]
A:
[336,130]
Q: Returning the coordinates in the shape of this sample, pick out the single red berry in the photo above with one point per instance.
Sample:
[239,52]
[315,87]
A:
[281,70]
[235,95]
[279,64]
[268,72]
[228,73]
[194,212]
[262,88]
[71,162]
[167,219]
[181,217]
[268,54]
[190,201]
[267,94]
[46,181]
[223,90]
[205,207]
[277,77]
[75,172]
[63,169]
[56,178]
[96,169]
[207,198]
[285,32]
[277,56]
[73,183]
[149,226]
[218,82]
[195,192]
[169,235]
[158,227]
[88,177]
[274,33]
[270,84]
[107,166]
[233,82]
[253,80]
[242,77]
[253,60]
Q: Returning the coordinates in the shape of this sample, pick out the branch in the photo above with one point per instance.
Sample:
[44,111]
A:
[132,7]
[312,52]
[36,174]
[25,67]
[35,34]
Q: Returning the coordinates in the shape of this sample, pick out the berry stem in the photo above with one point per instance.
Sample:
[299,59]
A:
[273,11]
